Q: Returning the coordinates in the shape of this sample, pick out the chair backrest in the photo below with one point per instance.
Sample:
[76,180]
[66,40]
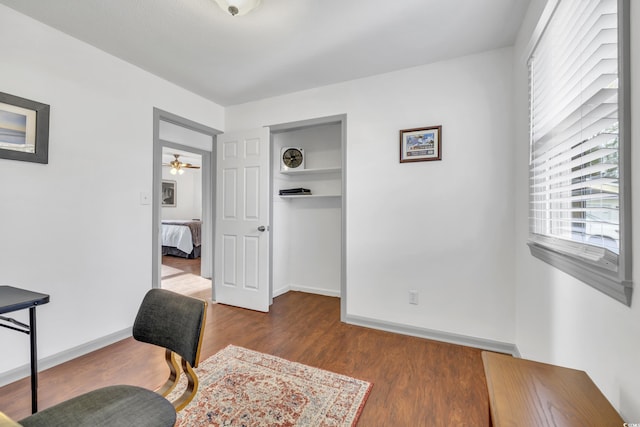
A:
[175,322]
[172,321]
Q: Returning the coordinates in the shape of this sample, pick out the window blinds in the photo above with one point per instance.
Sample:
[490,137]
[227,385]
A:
[573,173]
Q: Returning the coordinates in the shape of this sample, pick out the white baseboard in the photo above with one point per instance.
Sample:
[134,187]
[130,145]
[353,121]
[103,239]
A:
[484,344]
[469,341]
[281,291]
[307,289]
[317,291]
[64,356]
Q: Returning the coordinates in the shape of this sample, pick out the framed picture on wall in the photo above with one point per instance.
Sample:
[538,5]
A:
[168,194]
[24,129]
[421,144]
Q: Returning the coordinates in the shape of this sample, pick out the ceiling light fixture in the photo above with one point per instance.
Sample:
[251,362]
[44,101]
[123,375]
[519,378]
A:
[177,167]
[238,7]
[176,170]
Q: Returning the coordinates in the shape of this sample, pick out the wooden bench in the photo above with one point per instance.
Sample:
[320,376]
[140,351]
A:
[527,393]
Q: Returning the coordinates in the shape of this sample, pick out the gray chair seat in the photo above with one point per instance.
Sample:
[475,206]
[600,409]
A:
[115,406]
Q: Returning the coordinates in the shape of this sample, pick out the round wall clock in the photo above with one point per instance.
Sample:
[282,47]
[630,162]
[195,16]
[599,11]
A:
[292,158]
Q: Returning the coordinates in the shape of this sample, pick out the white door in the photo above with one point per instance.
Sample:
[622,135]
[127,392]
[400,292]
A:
[241,273]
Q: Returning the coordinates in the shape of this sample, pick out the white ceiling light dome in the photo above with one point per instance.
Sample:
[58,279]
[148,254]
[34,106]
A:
[238,7]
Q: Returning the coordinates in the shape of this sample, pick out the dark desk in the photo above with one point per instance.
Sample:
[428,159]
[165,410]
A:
[13,299]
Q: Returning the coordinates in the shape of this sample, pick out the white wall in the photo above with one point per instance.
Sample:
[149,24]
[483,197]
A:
[188,195]
[561,320]
[443,228]
[181,135]
[73,228]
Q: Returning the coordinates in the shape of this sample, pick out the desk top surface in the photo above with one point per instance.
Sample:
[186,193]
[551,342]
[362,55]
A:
[12,299]
[528,393]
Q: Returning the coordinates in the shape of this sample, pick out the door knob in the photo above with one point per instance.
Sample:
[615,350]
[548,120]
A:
[262,228]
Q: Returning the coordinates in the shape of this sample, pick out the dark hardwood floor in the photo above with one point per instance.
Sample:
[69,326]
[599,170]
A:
[416,382]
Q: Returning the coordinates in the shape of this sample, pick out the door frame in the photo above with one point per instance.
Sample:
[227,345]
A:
[208,191]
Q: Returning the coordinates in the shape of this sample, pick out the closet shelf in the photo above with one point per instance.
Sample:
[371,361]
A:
[309,196]
[310,171]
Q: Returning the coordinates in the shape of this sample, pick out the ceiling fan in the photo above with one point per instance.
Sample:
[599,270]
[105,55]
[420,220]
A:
[177,167]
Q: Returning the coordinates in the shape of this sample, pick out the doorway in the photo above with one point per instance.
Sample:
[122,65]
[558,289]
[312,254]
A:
[181,223]
[185,200]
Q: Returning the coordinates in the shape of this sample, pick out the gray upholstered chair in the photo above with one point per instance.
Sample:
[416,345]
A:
[175,322]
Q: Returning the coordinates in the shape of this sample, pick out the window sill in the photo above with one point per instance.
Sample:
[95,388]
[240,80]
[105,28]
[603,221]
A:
[606,281]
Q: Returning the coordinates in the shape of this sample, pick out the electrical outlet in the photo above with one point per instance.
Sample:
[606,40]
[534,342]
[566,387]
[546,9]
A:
[413,297]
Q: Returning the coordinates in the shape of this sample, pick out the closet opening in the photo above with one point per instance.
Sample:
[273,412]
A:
[308,207]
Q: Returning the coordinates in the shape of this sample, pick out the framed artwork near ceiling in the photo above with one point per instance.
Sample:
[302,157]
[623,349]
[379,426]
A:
[421,144]
[169,196]
[24,129]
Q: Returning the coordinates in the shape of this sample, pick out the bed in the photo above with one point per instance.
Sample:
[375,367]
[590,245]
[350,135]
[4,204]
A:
[181,238]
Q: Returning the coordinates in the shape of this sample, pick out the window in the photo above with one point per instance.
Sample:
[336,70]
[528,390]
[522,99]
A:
[579,198]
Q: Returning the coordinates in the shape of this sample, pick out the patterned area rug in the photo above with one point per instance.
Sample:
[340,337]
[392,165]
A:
[245,388]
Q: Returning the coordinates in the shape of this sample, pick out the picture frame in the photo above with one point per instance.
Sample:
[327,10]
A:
[421,144]
[169,194]
[24,129]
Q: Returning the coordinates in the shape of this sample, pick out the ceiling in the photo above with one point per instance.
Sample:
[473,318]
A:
[283,46]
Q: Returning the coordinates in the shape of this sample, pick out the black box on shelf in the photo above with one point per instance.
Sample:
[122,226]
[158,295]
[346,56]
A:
[294,191]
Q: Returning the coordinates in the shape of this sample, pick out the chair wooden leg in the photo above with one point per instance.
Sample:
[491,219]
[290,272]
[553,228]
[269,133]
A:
[190,391]
[174,373]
